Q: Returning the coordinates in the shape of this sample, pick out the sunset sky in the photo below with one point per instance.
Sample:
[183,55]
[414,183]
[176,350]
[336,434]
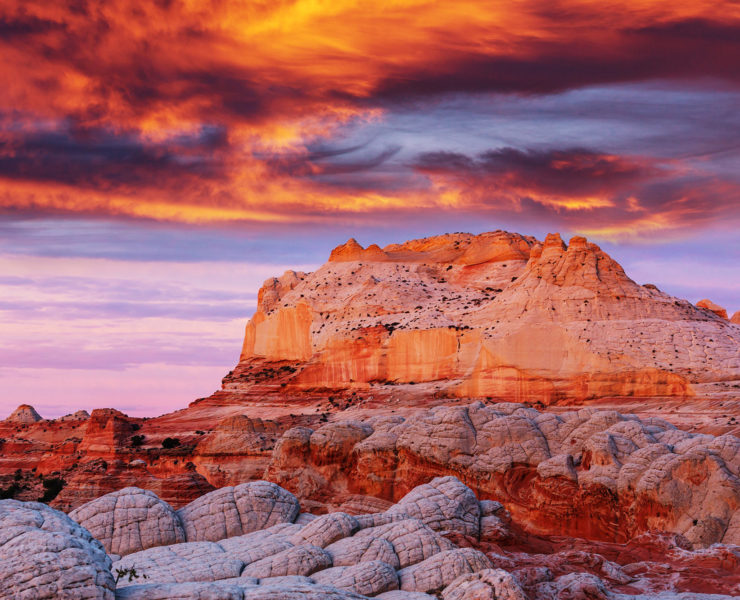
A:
[160,159]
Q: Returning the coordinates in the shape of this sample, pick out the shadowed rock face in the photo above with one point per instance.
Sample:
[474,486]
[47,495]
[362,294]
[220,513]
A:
[497,314]
[437,551]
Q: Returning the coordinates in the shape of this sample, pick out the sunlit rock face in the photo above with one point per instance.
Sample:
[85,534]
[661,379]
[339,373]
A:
[715,308]
[497,314]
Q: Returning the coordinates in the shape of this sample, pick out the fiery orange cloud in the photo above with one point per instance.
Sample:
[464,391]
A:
[195,111]
[168,62]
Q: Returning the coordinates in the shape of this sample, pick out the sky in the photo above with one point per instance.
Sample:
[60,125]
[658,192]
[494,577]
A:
[160,159]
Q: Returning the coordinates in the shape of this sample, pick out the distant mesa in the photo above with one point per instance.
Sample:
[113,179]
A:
[736,318]
[715,308]
[25,413]
[80,415]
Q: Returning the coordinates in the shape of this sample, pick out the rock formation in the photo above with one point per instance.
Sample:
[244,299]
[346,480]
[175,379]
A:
[588,473]
[24,414]
[378,555]
[45,555]
[130,520]
[497,314]
[715,308]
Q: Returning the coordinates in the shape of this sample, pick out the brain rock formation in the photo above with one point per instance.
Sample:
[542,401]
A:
[590,473]
[44,555]
[130,520]
[403,553]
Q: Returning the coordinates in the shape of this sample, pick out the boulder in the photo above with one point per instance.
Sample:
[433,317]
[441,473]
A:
[182,591]
[488,584]
[130,520]
[493,529]
[402,595]
[178,563]
[412,541]
[353,550]
[326,529]
[298,560]
[578,586]
[45,555]
[444,504]
[437,572]
[368,578]
[232,511]
[228,590]
[255,546]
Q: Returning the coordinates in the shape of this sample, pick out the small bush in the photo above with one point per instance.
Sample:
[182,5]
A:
[129,573]
[170,443]
[9,492]
[137,440]
[52,487]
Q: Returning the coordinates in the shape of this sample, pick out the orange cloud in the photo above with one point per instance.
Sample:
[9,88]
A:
[199,111]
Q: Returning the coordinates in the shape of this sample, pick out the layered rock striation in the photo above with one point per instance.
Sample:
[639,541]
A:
[497,314]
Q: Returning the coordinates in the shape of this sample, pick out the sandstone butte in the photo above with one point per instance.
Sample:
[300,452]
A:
[497,314]
[601,417]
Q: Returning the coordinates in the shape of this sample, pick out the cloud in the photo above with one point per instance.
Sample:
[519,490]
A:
[237,113]
[683,49]
[569,172]
[101,159]
[604,195]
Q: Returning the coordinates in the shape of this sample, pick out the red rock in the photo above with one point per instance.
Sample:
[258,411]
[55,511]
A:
[464,313]
[715,308]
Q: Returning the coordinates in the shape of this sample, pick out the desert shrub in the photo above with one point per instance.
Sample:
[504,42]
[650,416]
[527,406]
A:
[129,573]
[52,487]
[170,443]
[9,492]
[137,440]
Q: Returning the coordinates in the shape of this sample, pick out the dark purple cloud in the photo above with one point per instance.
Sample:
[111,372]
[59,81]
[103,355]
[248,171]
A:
[575,171]
[103,159]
